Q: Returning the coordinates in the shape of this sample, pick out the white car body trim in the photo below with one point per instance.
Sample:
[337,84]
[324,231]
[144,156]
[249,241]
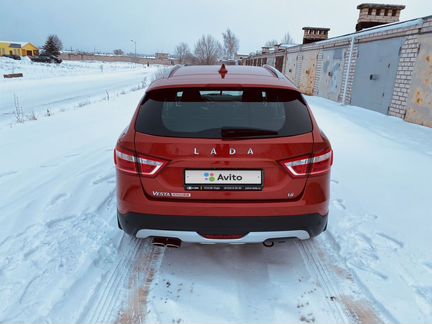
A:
[252,237]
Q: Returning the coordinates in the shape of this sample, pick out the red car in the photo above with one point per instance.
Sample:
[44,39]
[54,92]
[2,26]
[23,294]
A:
[223,155]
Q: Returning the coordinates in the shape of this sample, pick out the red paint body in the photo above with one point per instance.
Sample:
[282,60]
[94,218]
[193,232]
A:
[283,194]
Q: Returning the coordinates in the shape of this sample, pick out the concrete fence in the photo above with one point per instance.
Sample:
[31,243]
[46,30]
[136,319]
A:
[116,58]
[387,69]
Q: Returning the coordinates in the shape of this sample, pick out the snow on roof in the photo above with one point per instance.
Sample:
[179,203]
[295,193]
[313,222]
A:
[21,44]
[376,29]
[13,42]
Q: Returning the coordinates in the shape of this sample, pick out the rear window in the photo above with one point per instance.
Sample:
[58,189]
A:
[204,113]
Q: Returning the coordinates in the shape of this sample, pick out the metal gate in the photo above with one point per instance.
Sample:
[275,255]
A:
[331,76]
[290,67]
[308,69]
[279,62]
[375,74]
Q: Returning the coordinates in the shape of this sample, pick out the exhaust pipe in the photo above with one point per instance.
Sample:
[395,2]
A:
[268,243]
[173,242]
[159,241]
[166,241]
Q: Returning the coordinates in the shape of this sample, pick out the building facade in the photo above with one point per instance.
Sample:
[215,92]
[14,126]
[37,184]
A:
[386,68]
[18,48]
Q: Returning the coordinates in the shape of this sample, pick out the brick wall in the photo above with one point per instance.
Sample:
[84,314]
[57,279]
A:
[405,70]
[319,66]
[351,75]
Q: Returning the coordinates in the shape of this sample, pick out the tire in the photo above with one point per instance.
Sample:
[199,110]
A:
[118,224]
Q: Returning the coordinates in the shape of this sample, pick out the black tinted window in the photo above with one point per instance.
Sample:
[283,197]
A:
[200,113]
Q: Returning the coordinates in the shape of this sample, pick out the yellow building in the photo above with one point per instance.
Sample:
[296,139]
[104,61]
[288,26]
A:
[18,48]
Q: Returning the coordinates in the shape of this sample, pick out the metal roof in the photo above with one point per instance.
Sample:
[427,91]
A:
[14,44]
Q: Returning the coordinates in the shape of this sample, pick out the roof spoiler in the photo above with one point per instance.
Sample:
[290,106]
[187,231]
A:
[275,71]
[170,72]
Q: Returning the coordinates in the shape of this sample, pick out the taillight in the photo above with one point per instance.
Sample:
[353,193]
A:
[317,164]
[127,162]
[149,167]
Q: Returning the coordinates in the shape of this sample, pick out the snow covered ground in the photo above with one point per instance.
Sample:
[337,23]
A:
[46,88]
[62,258]
[37,70]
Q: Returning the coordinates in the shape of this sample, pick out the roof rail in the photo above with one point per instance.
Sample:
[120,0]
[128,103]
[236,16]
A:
[275,71]
[173,70]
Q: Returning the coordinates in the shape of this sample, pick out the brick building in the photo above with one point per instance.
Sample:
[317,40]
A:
[386,68]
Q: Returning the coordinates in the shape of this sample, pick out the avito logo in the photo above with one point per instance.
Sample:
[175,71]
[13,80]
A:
[211,176]
[230,177]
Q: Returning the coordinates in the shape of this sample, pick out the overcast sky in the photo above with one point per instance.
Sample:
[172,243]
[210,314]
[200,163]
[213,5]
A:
[157,25]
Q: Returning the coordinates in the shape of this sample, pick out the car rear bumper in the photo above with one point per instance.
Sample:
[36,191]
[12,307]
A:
[252,229]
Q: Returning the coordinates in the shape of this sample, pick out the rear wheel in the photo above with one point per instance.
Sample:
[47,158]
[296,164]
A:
[118,223]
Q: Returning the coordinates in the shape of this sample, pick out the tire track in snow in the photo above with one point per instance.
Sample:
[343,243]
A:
[126,286]
[108,294]
[347,300]
[320,271]
[145,268]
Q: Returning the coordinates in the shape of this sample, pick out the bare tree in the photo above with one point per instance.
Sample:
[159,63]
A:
[118,51]
[271,43]
[207,50]
[182,51]
[231,44]
[190,59]
[287,39]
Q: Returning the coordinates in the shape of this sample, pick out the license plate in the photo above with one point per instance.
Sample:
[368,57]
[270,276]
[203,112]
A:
[223,179]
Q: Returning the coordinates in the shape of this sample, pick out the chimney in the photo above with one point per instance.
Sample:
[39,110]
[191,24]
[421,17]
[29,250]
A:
[276,47]
[374,14]
[265,50]
[314,34]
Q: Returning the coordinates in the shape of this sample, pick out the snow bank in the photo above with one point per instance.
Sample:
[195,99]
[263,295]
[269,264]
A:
[381,217]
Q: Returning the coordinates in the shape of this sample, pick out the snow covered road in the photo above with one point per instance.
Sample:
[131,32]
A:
[62,258]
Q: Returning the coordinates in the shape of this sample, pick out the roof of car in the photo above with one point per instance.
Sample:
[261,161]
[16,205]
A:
[210,75]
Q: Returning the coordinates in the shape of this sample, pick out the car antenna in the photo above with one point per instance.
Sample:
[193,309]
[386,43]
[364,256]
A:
[223,71]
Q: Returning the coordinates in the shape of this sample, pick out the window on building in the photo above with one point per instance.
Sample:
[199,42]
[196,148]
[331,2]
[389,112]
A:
[386,12]
[394,12]
[378,12]
[370,11]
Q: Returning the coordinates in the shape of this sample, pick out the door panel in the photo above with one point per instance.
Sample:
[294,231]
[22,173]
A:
[331,76]
[375,74]
[307,79]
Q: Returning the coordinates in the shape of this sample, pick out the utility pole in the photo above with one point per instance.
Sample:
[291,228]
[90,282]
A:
[135,49]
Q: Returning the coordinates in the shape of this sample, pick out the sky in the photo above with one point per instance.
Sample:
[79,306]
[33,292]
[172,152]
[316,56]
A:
[158,26]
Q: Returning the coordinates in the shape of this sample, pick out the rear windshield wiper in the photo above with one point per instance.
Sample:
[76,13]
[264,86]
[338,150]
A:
[227,132]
